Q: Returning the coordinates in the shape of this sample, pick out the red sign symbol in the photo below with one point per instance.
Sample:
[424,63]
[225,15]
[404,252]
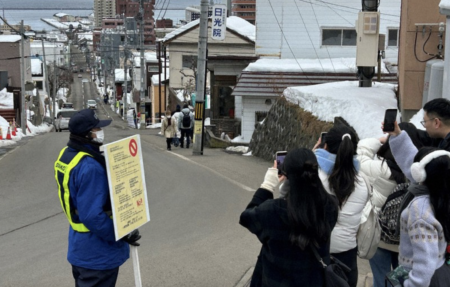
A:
[139,202]
[133,147]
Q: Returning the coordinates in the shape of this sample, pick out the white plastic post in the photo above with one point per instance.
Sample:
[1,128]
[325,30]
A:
[136,268]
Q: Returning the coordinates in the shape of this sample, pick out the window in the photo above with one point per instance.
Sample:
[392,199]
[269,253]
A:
[189,61]
[392,37]
[338,37]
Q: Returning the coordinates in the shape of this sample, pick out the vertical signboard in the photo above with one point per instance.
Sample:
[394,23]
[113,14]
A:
[127,187]
[219,22]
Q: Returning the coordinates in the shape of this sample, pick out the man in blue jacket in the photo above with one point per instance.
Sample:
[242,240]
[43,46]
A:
[80,172]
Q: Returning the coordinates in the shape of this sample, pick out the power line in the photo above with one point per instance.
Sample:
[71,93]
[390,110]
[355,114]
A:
[284,36]
[326,4]
[166,9]
[309,36]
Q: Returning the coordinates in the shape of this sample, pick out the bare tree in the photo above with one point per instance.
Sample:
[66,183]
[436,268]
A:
[64,79]
[189,85]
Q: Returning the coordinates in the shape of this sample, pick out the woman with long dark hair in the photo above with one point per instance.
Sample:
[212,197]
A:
[289,227]
[339,175]
[425,222]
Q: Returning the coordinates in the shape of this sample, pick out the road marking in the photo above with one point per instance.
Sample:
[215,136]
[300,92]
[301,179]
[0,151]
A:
[213,171]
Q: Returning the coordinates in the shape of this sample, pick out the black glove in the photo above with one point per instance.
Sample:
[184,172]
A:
[132,238]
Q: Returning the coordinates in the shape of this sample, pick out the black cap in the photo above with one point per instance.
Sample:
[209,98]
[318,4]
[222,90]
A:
[82,122]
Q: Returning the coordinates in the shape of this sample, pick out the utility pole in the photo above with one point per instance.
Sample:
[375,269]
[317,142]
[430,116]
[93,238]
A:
[159,79]
[54,87]
[201,78]
[23,114]
[142,96]
[366,71]
[47,86]
[125,72]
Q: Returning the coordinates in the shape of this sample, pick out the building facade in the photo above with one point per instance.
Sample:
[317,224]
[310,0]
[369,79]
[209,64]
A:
[103,9]
[246,9]
[130,8]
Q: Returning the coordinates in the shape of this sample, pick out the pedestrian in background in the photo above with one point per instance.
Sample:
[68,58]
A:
[169,129]
[186,125]
[176,116]
[80,173]
[135,118]
[290,227]
[338,172]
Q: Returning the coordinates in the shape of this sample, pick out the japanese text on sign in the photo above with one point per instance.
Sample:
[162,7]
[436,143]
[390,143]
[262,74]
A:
[127,187]
[219,22]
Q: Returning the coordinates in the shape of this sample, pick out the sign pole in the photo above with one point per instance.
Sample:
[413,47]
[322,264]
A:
[136,268]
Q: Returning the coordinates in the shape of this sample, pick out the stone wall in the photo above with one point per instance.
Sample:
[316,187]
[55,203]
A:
[232,127]
[287,126]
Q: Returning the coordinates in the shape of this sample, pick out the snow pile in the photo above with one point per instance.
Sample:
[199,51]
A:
[335,65]
[241,149]
[362,108]
[238,139]
[6,100]
[35,130]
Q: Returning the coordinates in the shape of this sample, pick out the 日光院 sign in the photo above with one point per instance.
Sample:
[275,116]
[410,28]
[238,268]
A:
[219,22]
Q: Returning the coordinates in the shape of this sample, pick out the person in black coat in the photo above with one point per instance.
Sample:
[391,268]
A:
[287,227]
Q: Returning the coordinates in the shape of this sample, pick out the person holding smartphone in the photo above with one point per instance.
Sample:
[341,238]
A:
[288,227]
[384,174]
[339,173]
[436,121]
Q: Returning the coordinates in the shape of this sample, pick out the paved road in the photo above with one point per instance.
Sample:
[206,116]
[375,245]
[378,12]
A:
[193,238]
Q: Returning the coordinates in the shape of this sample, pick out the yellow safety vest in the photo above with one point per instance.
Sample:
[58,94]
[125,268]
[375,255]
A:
[63,167]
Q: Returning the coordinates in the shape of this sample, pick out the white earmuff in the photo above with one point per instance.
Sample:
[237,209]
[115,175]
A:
[418,172]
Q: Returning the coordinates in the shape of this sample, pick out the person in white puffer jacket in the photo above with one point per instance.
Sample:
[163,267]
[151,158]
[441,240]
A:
[378,163]
[339,173]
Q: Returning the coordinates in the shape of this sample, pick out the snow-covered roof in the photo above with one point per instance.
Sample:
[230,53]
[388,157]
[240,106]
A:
[242,27]
[362,108]
[155,78]
[149,57]
[339,65]
[180,30]
[9,38]
[61,14]
[36,67]
[444,6]
[236,24]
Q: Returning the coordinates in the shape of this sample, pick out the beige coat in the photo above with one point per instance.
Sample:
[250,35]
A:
[166,130]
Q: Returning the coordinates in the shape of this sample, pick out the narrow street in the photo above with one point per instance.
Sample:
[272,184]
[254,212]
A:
[193,238]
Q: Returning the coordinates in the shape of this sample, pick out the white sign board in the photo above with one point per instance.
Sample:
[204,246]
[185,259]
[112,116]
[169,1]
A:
[219,22]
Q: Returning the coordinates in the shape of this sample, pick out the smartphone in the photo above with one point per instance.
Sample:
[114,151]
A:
[322,137]
[389,120]
[279,156]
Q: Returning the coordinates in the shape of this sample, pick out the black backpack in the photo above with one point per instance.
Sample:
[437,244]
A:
[186,120]
[390,214]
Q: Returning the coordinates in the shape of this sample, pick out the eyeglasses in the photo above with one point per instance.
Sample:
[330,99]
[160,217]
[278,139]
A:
[423,122]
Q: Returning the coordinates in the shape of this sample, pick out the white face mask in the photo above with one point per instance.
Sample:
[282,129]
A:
[100,136]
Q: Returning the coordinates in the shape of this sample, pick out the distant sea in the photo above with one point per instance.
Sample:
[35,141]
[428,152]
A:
[51,7]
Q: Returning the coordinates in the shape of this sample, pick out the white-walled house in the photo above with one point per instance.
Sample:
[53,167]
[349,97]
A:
[306,43]
[226,60]
[318,29]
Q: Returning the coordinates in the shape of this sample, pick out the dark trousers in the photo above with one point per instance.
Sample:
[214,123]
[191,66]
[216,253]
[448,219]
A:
[349,259]
[187,133]
[94,278]
[169,142]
